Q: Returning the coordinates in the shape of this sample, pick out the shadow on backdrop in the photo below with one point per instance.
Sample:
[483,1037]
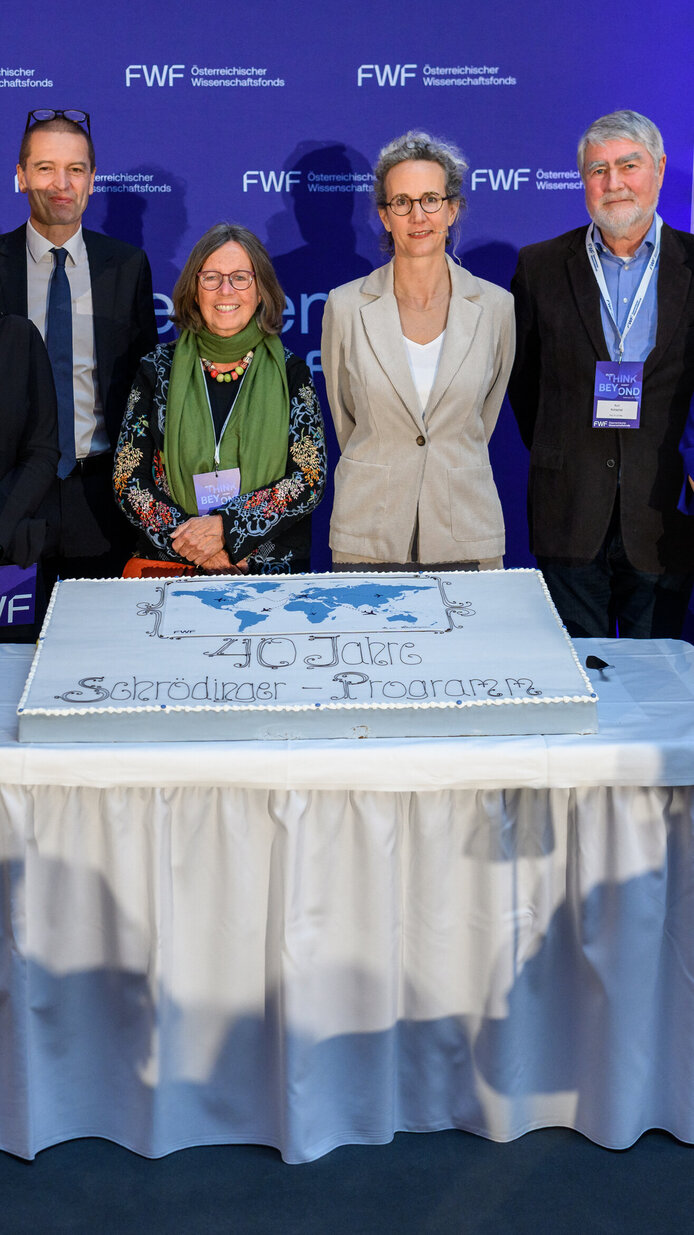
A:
[329,204]
[128,216]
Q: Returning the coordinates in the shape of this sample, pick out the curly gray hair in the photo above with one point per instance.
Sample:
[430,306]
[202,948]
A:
[419,145]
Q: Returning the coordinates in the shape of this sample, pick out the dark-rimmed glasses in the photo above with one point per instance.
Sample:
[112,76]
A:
[212,280]
[430,203]
[75,114]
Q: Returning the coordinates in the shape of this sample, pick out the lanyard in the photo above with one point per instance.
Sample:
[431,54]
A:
[638,300]
[218,440]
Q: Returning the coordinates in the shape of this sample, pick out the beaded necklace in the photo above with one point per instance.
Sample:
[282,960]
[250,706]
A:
[233,374]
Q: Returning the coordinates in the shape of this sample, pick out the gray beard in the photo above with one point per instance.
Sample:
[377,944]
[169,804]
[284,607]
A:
[620,225]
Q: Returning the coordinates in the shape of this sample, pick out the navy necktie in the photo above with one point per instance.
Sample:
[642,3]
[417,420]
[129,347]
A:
[59,347]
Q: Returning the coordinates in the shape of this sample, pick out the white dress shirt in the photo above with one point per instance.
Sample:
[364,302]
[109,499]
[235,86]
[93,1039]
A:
[91,437]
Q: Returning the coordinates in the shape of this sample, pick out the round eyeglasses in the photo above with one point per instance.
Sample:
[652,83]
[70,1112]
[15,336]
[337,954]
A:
[212,280]
[430,203]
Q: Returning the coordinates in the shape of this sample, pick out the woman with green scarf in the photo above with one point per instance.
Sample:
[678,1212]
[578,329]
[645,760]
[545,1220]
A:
[221,457]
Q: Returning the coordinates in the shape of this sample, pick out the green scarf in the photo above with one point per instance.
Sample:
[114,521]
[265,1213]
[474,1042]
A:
[256,435]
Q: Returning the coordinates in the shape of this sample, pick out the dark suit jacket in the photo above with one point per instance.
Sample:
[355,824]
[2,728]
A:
[575,470]
[28,441]
[124,330]
[124,323]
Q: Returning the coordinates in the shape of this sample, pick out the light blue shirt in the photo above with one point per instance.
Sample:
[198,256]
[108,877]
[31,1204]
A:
[622,276]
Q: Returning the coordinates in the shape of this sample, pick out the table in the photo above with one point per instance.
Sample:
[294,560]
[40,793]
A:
[311,944]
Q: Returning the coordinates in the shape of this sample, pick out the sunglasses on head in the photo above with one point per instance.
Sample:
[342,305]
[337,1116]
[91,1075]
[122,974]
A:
[51,113]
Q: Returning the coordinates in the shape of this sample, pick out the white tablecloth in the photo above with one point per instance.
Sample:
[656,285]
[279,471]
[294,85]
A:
[312,945]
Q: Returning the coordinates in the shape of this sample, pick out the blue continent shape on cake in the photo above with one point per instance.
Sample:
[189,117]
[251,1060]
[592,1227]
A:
[320,605]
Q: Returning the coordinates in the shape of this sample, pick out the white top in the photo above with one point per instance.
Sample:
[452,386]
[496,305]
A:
[424,361]
[90,430]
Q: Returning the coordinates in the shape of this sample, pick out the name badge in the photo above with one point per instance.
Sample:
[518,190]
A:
[617,395]
[17,595]
[215,489]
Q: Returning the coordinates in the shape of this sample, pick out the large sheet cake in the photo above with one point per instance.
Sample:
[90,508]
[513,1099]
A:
[321,656]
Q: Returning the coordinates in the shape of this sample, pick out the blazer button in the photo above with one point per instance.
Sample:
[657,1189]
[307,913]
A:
[421,441]
[610,462]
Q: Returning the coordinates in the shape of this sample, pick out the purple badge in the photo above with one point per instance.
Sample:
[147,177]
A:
[215,489]
[617,394]
[17,595]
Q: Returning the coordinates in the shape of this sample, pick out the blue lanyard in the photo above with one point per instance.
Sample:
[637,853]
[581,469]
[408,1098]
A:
[638,300]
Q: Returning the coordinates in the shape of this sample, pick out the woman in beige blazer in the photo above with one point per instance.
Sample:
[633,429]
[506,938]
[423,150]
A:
[416,357]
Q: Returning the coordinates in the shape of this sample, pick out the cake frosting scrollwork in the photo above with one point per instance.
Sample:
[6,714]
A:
[487,685]
[454,608]
[348,679]
[276,653]
[91,692]
[317,661]
[524,684]
[241,657]
[145,607]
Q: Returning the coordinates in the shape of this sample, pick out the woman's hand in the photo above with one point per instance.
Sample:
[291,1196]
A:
[221,564]
[199,538]
[691,482]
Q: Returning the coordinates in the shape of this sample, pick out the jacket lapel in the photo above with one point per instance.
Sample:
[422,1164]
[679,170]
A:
[587,296]
[13,272]
[103,279]
[674,281]
[461,327]
[382,325]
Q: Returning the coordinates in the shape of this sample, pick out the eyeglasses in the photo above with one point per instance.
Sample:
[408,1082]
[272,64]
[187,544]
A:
[211,280]
[430,203]
[50,113]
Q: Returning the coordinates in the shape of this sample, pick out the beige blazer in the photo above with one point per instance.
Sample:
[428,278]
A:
[400,469]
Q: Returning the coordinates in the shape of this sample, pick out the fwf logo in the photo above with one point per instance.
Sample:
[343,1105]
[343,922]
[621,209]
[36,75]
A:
[270,182]
[154,74]
[500,178]
[386,74]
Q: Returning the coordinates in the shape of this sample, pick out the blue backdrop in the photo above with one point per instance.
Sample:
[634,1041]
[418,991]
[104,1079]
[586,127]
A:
[271,114]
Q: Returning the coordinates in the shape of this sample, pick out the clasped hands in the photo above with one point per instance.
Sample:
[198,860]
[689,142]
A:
[201,540]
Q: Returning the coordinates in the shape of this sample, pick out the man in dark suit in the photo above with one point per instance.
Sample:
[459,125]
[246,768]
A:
[601,387]
[108,296]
